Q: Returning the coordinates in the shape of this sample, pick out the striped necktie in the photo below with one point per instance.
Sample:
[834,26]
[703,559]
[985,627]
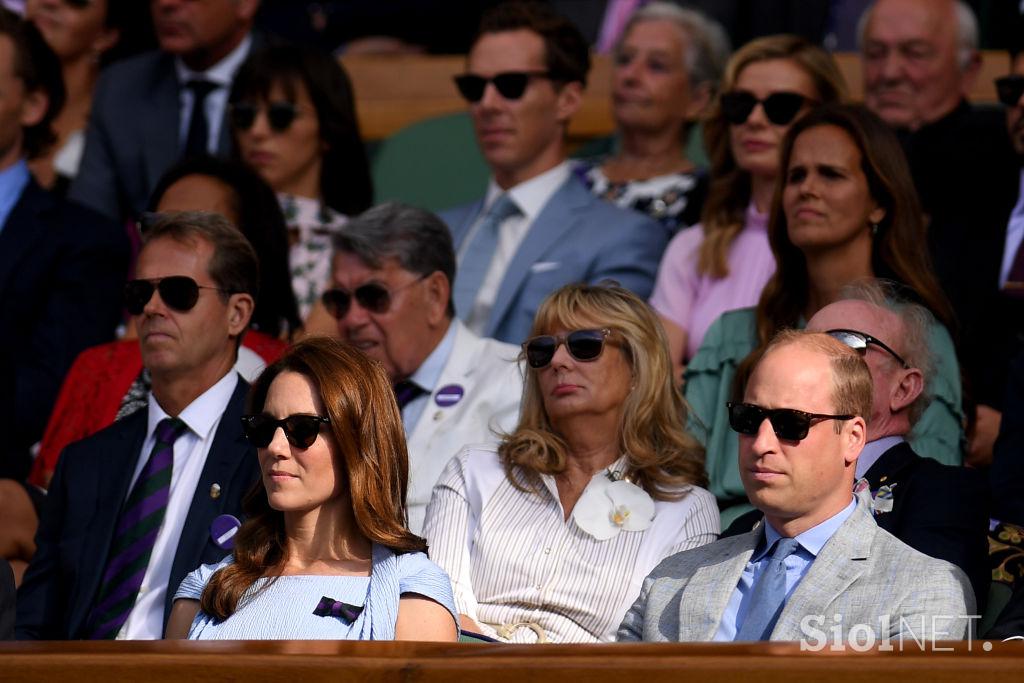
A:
[137,528]
[406,391]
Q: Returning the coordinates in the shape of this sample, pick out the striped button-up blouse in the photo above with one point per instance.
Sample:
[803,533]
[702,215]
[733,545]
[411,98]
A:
[526,574]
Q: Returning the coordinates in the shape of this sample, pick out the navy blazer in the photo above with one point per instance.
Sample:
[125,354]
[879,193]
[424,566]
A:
[132,136]
[77,525]
[62,268]
[939,510]
[575,238]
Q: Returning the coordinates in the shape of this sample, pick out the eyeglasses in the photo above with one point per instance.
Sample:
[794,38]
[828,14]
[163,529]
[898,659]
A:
[510,84]
[858,341]
[78,4]
[180,292]
[374,297]
[583,345]
[789,424]
[300,430]
[280,115]
[780,107]
[1009,89]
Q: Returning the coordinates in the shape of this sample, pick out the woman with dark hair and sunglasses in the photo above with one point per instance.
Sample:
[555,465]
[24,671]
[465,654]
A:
[548,535]
[724,263]
[845,211]
[293,116]
[666,69]
[324,552]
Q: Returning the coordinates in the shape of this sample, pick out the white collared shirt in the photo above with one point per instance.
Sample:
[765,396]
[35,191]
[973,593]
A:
[222,73]
[531,197]
[1014,235]
[202,417]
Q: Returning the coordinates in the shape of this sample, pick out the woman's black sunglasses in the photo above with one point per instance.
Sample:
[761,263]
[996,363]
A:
[280,115]
[300,430]
[179,292]
[788,424]
[858,341]
[583,345]
[510,84]
[780,107]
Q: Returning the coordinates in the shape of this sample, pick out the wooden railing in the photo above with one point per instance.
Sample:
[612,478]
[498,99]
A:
[334,662]
[394,91]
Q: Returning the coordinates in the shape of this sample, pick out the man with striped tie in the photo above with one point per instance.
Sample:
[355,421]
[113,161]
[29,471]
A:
[134,508]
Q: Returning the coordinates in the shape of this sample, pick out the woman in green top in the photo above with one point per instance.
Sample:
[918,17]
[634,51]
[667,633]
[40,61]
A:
[845,210]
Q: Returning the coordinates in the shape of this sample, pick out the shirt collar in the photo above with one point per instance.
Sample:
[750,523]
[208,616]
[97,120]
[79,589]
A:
[531,196]
[872,451]
[811,540]
[13,180]
[429,372]
[201,414]
[221,73]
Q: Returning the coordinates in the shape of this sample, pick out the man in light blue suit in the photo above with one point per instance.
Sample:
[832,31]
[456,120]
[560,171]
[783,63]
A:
[537,228]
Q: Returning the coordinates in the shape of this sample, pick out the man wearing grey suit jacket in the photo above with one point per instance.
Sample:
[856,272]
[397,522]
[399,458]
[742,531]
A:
[537,228]
[818,569]
[143,109]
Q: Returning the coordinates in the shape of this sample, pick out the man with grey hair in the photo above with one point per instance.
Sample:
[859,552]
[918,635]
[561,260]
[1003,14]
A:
[939,510]
[392,275]
[920,60]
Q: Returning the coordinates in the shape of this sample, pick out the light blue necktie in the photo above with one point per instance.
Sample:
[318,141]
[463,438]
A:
[476,258]
[769,594]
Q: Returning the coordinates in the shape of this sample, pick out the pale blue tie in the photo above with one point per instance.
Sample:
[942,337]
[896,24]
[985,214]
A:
[477,256]
[769,594]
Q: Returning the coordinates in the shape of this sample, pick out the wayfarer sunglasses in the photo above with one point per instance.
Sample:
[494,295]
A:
[280,115]
[583,345]
[300,430]
[789,424]
[858,341]
[780,107]
[179,292]
[510,84]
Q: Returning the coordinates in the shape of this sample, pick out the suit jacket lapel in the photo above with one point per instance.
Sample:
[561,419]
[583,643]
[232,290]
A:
[552,223]
[22,230]
[707,593]
[890,465]
[161,124]
[458,367]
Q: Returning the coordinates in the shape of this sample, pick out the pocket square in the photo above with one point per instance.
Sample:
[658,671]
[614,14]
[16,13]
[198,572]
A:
[544,266]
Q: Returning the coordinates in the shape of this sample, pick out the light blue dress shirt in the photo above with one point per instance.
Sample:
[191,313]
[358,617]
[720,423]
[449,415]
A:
[12,183]
[797,565]
[427,375]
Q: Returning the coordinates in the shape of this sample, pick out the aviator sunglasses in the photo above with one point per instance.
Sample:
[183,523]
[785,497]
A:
[858,341]
[179,292]
[583,345]
[280,115]
[510,84]
[300,430]
[1009,89]
[375,298]
[789,424]
[780,107]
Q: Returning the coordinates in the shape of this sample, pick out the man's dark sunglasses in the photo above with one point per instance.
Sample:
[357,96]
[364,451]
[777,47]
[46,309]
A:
[858,341]
[374,297]
[780,107]
[583,345]
[510,84]
[1009,89]
[179,292]
[78,4]
[300,430]
[789,424]
[280,115]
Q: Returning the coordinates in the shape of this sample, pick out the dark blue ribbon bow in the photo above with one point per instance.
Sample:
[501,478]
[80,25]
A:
[329,607]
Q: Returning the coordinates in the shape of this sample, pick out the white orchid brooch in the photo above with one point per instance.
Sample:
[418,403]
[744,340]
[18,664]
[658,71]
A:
[611,504]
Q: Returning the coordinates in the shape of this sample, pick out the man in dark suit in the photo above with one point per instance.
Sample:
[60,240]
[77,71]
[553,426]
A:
[939,510]
[61,266]
[144,116]
[134,508]
[6,601]
[537,228]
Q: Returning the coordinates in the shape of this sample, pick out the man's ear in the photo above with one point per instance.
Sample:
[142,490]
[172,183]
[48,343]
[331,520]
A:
[437,293]
[700,98]
[240,307]
[970,72]
[570,99]
[33,108]
[855,434]
[105,40]
[907,390]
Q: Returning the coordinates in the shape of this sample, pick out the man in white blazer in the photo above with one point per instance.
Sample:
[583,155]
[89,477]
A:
[818,569]
[391,293]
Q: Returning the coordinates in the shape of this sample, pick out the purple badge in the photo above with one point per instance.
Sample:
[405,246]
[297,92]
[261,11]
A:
[449,395]
[223,530]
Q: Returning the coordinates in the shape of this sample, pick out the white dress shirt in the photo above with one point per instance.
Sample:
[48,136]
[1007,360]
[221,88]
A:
[531,197]
[202,417]
[222,73]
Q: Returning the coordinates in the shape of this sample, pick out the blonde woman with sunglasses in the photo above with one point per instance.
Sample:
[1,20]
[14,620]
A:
[548,535]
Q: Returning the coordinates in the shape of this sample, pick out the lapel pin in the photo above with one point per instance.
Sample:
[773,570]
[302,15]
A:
[215,491]
[438,415]
[883,479]
[449,395]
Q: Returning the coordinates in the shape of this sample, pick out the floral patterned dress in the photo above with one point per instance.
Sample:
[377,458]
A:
[311,228]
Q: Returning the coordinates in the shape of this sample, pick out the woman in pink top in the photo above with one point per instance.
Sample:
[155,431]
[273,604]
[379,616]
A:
[724,263]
